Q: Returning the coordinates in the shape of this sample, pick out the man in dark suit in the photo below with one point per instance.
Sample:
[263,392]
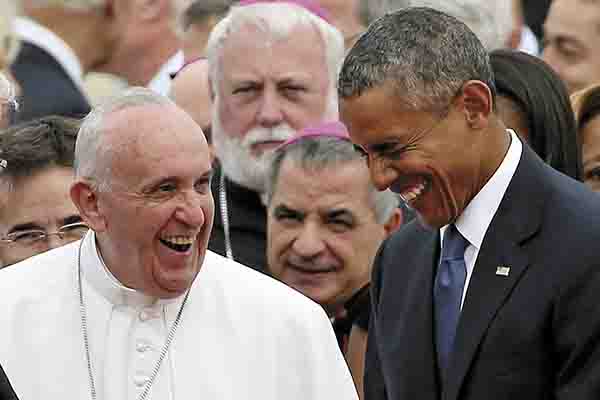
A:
[494,293]
[59,44]
[46,87]
[62,40]
[6,390]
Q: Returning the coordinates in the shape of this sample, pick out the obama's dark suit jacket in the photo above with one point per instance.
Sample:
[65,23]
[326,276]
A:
[534,334]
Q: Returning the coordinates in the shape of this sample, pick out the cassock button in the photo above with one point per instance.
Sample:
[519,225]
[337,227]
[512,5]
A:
[146,315]
[140,380]
[142,347]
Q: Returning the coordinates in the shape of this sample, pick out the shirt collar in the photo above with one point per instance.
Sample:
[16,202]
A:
[104,282]
[161,83]
[474,221]
[30,31]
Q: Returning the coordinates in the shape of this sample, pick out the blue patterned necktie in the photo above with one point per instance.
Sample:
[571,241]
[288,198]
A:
[447,293]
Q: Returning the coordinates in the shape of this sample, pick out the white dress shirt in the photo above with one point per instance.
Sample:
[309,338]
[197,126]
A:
[161,83]
[475,220]
[30,31]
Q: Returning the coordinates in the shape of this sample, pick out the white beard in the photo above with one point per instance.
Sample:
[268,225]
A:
[235,153]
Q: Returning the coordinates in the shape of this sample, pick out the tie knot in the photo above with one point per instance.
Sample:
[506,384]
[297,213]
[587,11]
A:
[454,245]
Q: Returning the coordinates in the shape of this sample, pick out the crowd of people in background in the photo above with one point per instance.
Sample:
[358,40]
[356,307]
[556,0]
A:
[300,199]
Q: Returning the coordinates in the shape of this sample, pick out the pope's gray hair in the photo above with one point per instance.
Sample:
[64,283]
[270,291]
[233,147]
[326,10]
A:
[278,20]
[323,152]
[92,151]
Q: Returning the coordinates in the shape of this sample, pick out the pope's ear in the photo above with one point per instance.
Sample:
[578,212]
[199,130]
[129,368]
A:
[85,199]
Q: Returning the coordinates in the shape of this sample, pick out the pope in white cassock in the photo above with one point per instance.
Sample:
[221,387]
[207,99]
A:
[139,309]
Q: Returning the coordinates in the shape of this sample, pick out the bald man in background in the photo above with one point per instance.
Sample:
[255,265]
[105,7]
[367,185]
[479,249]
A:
[190,91]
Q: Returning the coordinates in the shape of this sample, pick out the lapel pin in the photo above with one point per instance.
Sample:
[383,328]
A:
[503,271]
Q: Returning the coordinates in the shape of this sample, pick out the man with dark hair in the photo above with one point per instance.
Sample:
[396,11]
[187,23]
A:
[325,223]
[494,292]
[63,40]
[36,213]
[197,21]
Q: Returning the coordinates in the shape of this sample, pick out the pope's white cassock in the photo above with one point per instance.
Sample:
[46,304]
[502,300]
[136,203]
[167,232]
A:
[242,335]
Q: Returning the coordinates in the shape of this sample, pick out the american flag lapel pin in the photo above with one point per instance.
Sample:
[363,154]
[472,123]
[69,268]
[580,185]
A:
[503,270]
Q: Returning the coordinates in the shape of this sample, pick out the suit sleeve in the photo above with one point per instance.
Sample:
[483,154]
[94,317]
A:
[374,384]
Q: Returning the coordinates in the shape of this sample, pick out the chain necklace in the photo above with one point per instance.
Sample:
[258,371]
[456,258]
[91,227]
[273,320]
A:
[86,341]
[225,215]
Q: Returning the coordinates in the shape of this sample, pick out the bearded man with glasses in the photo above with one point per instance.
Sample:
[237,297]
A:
[36,212]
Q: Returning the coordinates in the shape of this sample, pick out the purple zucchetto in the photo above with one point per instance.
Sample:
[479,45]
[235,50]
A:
[311,5]
[335,129]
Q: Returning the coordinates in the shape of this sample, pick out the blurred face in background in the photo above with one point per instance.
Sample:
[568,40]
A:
[190,91]
[36,203]
[344,16]
[572,42]
[590,152]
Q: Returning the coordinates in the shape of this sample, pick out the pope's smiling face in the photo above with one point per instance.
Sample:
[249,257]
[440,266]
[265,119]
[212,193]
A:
[154,221]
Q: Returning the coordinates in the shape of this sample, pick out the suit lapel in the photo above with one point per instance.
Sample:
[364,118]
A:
[517,219]
[415,363]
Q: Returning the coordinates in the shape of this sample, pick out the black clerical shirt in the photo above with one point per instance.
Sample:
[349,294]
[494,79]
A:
[247,224]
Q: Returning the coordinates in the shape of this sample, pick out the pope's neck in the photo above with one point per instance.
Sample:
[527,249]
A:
[115,286]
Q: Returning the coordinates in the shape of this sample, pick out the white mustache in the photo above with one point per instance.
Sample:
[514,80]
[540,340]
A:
[260,134]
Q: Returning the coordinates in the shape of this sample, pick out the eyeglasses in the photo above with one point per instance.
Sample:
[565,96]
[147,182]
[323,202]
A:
[70,232]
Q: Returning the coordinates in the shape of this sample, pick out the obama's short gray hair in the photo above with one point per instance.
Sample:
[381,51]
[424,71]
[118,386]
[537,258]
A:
[423,54]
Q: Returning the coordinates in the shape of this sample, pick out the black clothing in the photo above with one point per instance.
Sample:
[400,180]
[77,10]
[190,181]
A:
[247,224]
[46,88]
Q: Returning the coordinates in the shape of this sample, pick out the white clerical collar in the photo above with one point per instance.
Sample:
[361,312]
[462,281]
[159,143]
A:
[30,31]
[161,83]
[474,221]
[104,282]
